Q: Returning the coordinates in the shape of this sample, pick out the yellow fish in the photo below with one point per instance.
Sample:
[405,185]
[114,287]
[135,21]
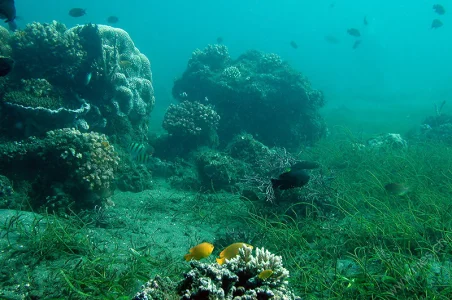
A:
[230,251]
[265,274]
[202,250]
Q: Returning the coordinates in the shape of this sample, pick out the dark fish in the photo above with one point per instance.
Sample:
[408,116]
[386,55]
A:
[112,19]
[356,44]
[331,39]
[365,21]
[293,45]
[8,13]
[294,177]
[439,9]
[7,10]
[219,40]
[397,189]
[354,32]
[6,65]
[436,24]
[77,12]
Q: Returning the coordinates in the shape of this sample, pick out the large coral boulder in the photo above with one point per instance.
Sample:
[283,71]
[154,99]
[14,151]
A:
[257,93]
[91,77]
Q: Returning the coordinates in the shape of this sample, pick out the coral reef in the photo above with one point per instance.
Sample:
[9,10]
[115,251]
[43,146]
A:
[47,51]
[64,167]
[190,119]
[219,171]
[388,141]
[96,63]
[438,127]
[239,278]
[257,93]
[5,48]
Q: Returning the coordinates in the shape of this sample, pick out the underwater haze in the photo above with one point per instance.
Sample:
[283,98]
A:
[402,64]
[242,149]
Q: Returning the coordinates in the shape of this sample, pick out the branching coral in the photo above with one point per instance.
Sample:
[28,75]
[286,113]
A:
[47,51]
[239,279]
[190,119]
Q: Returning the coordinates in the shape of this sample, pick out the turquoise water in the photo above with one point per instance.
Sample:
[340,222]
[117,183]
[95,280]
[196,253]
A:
[343,174]
[401,60]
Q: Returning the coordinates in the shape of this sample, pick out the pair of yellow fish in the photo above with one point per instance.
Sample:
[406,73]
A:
[204,250]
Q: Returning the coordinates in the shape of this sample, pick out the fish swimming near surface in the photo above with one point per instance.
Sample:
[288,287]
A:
[436,24]
[293,45]
[398,189]
[365,21]
[356,44]
[295,176]
[112,19]
[230,251]
[200,251]
[6,65]
[8,13]
[219,40]
[140,153]
[439,9]
[77,12]
[353,32]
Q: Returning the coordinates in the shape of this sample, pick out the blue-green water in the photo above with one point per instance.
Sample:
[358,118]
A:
[400,61]
[343,173]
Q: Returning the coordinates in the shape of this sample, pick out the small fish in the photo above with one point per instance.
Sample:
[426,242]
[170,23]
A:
[436,24]
[82,78]
[293,45]
[230,251]
[77,12]
[125,64]
[353,32]
[200,251]
[265,274]
[143,158]
[219,40]
[112,19]
[397,189]
[365,21]
[140,153]
[356,44]
[439,9]
[294,177]
[6,65]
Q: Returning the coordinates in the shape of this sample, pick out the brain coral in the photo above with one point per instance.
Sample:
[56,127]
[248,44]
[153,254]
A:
[122,78]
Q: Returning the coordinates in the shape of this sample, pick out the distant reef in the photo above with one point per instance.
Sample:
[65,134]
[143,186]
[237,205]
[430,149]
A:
[90,77]
[257,93]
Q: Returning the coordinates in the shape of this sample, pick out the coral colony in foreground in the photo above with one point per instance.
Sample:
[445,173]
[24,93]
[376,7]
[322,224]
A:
[247,276]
